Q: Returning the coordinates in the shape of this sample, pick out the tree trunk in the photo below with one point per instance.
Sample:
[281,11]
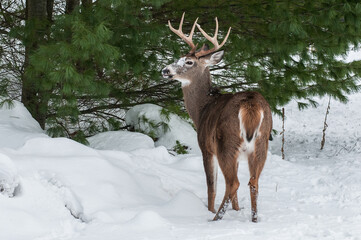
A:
[71,5]
[86,3]
[37,12]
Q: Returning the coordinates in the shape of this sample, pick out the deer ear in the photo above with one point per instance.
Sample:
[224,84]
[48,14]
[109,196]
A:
[213,59]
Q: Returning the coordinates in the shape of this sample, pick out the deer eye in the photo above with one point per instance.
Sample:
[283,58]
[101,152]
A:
[189,62]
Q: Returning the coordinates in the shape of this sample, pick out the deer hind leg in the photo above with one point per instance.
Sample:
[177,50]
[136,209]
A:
[229,170]
[211,170]
[256,162]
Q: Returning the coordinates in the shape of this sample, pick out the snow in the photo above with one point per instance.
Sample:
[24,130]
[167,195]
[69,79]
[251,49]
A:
[9,179]
[17,126]
[178,129]
[121,141]
[126,187]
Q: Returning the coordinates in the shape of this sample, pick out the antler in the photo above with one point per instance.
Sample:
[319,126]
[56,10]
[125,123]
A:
[213,40]
[180,33]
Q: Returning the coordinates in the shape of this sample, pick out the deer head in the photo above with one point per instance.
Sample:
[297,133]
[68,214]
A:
[193,65]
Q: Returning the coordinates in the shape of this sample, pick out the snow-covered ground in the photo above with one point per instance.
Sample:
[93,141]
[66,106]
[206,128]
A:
[123,187]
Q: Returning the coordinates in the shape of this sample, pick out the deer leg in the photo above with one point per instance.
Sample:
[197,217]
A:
[211,169]
[232,184]
[256,162]
[253,188]
[235,205]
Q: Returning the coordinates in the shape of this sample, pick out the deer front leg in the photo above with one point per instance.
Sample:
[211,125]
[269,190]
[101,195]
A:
[211,169]
[235,205]
[231,190]
[232,184]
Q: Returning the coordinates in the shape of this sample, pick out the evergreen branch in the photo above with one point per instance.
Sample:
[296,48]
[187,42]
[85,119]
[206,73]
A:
[112,115]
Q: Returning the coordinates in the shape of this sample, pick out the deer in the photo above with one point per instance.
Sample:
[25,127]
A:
[230,126]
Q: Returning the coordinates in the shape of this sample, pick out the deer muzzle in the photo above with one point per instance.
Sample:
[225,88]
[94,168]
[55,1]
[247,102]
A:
[166,73]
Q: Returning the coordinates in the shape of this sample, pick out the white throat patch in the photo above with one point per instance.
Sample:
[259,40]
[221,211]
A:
[185,82]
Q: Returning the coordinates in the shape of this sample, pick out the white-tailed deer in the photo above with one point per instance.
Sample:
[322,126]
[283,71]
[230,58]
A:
[230,127]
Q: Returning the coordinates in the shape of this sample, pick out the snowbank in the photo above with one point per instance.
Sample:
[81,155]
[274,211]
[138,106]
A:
[65,190]
[121,141]
[17,126]
[178,129]
[9,179]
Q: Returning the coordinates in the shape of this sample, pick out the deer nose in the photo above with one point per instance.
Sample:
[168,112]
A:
[165,71]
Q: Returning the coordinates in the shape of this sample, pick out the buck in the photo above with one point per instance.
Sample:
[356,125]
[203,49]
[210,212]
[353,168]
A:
[230,127]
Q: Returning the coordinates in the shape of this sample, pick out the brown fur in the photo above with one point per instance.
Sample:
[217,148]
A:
[216,118]
[251,116]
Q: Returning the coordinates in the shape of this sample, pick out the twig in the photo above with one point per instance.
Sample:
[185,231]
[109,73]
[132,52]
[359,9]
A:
[348,150]
[325,125]
[283,133]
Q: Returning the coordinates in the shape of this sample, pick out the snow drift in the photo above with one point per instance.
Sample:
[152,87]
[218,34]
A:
[141,117]
[124,187]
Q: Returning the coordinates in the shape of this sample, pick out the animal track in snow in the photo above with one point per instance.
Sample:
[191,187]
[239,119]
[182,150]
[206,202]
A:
[9,179]
[71,201]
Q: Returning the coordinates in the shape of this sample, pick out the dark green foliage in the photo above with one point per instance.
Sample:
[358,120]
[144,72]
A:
[153,128]
[180,148]
[70,67]
[7,103]
[92,65]
[286,49]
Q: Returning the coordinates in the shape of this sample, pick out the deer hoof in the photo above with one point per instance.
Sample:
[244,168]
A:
[235,205]
[217,217]
[213,210]
[237,208]
[254,217]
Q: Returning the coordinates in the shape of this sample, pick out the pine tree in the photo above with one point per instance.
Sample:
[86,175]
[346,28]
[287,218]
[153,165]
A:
[284,49]
[89,61]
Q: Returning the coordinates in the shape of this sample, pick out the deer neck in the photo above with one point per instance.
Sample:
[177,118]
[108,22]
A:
[196,95]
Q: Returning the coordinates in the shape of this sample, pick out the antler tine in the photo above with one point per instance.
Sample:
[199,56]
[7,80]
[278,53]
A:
[225,39]
[180,33]
[213,40]
[209,38]
[181,23]
[216,31]
[193,27]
